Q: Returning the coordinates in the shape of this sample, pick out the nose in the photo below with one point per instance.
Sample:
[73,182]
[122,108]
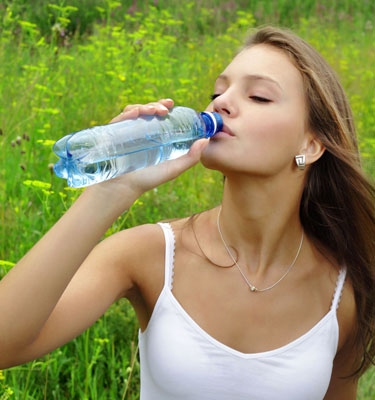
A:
[225,104]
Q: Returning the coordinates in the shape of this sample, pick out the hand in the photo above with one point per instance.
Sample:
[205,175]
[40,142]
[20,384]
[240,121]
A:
[132,111]
[136,183]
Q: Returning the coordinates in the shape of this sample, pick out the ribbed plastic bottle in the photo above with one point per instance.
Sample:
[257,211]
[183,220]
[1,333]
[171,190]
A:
[104,152]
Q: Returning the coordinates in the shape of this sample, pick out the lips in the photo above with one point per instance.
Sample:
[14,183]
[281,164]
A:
[226,130]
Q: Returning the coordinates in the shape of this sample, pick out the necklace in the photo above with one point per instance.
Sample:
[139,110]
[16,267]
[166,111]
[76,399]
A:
[252,287]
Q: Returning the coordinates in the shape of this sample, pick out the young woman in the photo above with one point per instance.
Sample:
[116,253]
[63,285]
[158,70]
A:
[271,294]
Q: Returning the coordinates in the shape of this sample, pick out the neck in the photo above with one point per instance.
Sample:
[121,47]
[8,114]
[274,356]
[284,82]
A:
[261,222]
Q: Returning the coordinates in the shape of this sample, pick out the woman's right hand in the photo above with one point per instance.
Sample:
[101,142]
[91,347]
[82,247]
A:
[135,183]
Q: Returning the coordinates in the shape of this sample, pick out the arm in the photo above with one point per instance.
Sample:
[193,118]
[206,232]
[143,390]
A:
[343,386]
[38,312]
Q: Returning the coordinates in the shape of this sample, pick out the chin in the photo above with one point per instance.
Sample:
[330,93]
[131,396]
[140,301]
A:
[212,163]
[208,159]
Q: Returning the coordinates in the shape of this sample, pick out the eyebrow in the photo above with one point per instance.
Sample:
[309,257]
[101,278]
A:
[253,77]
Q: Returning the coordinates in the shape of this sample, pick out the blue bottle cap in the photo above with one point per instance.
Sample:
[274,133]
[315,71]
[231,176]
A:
[214,122]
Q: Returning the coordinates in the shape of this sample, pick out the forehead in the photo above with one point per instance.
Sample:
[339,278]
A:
[267,61]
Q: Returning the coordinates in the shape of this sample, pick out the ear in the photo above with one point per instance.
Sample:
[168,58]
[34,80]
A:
[313,148]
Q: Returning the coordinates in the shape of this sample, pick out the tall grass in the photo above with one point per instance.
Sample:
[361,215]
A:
[66,67]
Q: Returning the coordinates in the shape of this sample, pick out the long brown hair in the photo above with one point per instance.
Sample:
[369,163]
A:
[337,208]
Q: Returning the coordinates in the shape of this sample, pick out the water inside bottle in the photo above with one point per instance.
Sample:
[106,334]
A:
[85,174]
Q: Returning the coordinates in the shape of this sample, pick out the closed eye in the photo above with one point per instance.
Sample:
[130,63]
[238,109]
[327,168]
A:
[260,99]
[213,96]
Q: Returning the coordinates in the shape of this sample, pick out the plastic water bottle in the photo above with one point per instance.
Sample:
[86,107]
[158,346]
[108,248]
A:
[104,152]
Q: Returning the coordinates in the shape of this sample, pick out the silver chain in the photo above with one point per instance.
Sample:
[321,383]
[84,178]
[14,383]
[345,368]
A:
[252,287]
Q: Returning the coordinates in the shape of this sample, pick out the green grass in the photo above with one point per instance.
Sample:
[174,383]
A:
[63,68]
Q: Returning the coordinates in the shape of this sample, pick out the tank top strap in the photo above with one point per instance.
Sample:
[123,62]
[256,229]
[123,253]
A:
[339,288]
[169,253]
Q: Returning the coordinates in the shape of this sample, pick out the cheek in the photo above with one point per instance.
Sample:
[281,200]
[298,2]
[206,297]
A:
[274,144]
[283,130]
[266,142]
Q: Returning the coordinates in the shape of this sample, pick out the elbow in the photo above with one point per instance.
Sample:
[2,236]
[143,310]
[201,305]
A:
[11,356]
[7,360]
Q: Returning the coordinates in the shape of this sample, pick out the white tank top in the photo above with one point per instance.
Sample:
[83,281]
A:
[180,361]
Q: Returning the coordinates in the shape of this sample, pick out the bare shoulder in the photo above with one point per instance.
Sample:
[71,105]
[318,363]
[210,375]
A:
[139,253]
[140,240]
[126,254]
[134,248]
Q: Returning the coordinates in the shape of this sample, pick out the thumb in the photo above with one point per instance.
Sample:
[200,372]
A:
[197,148]
[177,166]
[152,176]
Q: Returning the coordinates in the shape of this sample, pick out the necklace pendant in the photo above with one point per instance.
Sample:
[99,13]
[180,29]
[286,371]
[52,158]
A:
[252,287]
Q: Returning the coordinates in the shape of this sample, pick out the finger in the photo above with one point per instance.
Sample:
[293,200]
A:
[142,180]
[176,167]
[169,103]
[133,111]
[160,107]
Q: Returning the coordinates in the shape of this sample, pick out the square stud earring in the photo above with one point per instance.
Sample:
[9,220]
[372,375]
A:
[300,161]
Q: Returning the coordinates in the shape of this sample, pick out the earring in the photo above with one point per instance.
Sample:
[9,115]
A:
[300,161]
